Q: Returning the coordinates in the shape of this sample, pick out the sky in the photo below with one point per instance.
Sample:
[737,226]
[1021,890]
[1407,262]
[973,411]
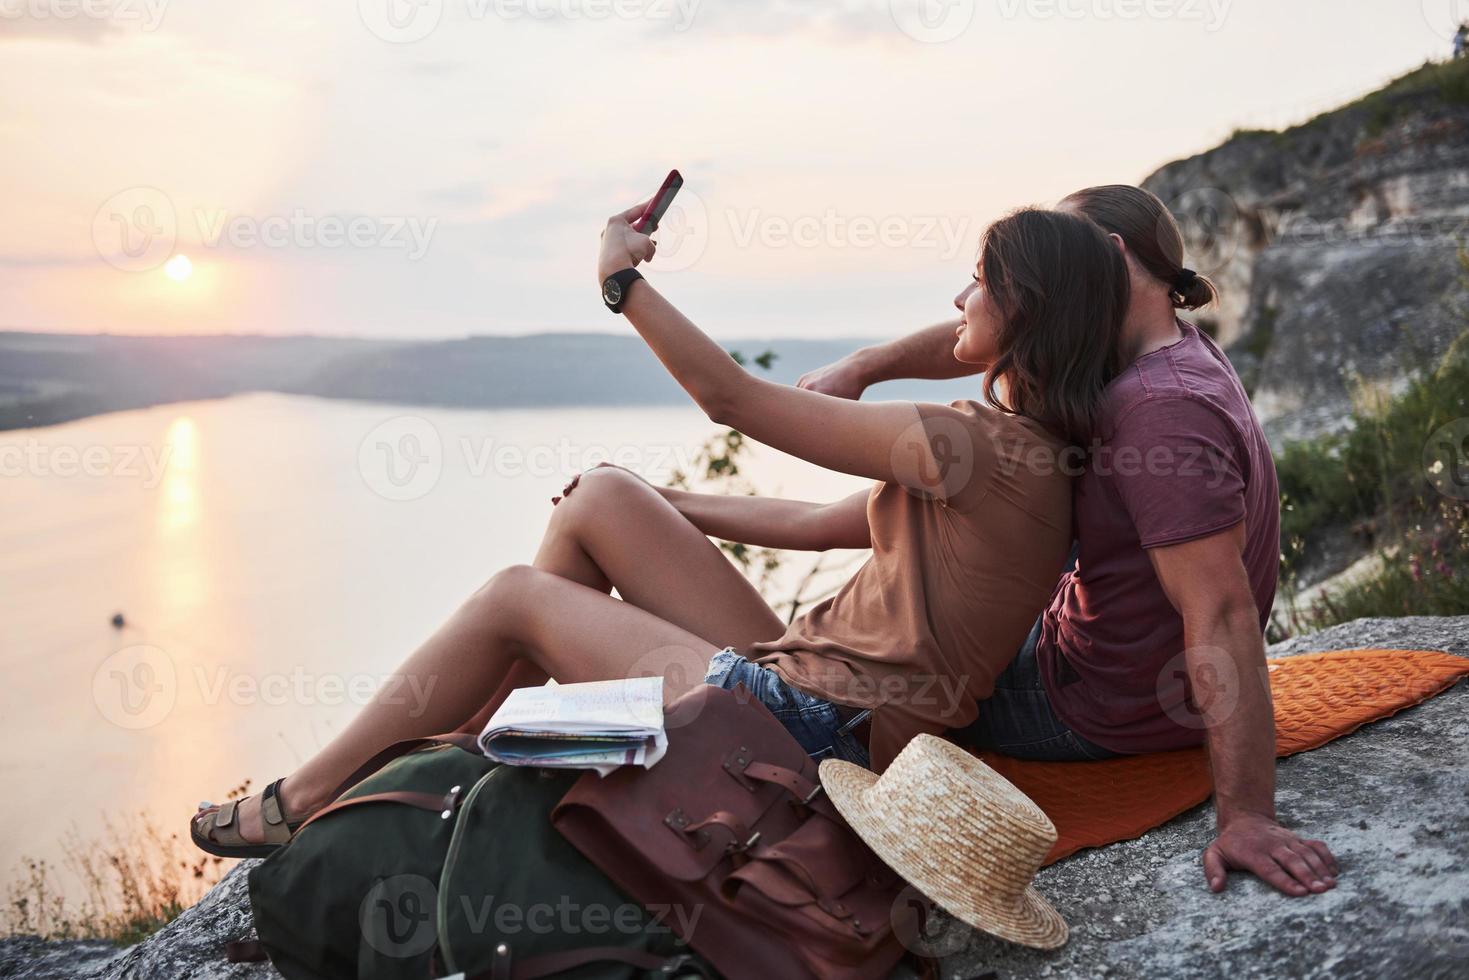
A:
[440,168]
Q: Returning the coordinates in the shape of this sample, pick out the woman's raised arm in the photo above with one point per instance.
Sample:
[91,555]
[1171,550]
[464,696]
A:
[878,440]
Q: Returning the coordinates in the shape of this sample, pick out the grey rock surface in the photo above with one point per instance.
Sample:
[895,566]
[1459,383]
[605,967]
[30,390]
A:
[190,946]
[1391,799]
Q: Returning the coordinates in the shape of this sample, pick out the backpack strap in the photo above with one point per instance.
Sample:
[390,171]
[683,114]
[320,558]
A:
[447,803]
[462,740]
[793,782]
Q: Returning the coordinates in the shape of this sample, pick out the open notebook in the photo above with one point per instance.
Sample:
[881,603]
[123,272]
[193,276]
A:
[597,725]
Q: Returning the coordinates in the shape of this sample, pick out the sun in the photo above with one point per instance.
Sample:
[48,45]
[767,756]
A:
[178,268]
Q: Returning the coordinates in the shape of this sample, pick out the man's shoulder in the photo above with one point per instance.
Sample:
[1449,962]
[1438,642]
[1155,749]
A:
[1189,375]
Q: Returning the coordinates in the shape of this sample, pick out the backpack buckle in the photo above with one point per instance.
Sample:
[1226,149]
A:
[736,762]
[451,802]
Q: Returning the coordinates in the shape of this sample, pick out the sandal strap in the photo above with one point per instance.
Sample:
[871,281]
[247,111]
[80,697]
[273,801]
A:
[222,827]
[270,804]
[277,828]
[225,815]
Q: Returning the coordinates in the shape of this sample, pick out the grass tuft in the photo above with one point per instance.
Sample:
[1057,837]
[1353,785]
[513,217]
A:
[130,882]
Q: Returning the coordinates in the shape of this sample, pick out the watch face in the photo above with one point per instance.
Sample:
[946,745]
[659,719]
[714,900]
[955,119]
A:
[612,292]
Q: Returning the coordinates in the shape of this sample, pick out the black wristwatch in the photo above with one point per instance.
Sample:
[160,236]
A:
[615,286]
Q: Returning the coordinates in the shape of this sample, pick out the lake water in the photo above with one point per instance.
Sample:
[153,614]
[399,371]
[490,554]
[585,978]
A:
[274,557]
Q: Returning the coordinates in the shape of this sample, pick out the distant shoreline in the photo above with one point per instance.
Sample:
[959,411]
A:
[50,379]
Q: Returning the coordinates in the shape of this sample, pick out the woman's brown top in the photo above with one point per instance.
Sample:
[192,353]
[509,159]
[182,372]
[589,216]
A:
[966,552]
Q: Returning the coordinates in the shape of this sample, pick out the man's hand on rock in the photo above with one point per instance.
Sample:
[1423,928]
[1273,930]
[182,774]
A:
[1257,844]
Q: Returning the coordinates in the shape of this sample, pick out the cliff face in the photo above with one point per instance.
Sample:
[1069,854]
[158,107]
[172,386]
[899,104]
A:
[1335,245]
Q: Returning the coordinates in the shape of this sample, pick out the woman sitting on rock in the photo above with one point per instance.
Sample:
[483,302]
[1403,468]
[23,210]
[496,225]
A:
[969,522]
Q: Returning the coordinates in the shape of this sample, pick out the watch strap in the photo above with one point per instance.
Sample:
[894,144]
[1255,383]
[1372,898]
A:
[624,280]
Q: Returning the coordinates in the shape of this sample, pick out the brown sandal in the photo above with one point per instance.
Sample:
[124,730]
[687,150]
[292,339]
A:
[215,829]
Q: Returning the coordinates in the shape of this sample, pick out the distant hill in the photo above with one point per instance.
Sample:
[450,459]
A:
[50,378]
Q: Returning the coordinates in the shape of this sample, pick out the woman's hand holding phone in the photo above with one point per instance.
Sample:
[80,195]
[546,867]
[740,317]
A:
[623,246]
[626,240]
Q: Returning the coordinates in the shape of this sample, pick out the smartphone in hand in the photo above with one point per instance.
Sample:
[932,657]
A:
[647,222]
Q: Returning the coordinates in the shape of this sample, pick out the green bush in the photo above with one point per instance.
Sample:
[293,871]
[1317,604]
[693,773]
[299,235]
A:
[1371,479]
[1374,470]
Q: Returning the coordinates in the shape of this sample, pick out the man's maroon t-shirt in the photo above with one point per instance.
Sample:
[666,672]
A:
[1181,456]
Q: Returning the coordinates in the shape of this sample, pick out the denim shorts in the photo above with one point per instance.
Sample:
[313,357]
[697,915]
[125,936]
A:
[1017,719]
[811,720]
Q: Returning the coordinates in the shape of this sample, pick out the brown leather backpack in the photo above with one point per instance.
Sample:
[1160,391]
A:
[732,830]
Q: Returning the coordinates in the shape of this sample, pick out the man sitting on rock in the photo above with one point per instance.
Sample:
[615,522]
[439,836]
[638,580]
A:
[1155,638]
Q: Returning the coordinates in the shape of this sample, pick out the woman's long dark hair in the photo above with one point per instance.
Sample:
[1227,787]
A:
[1061,289]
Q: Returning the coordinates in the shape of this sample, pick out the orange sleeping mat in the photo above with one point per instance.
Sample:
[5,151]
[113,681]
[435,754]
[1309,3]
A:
[1318,697]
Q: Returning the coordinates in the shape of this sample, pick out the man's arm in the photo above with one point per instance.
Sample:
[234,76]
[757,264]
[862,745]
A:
[927,354]
[1206,581]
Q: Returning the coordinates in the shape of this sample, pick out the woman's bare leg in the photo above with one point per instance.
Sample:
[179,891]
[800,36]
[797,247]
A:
[614,531]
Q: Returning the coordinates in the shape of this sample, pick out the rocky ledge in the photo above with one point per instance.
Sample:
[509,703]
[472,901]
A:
[1392,800]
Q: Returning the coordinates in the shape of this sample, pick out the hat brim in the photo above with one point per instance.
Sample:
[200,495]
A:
[1031,922]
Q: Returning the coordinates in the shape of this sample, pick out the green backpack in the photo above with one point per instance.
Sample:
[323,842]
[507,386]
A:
[445,863]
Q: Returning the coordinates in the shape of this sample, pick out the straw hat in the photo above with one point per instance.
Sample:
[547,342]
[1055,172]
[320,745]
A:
[957,831]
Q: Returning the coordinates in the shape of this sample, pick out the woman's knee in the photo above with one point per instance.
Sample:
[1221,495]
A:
[507,591]
[599,494]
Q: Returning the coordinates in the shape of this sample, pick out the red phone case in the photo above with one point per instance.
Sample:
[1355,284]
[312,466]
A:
[647,222]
